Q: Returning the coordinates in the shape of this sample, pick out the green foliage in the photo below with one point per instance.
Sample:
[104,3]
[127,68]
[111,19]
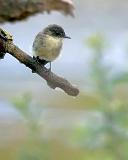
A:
[34,148]
[22,103]
[96,42]
[113,106]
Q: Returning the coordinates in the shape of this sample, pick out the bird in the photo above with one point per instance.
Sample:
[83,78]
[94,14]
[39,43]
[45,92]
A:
[48,43]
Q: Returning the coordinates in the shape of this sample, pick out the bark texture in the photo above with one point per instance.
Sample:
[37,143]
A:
[14,10]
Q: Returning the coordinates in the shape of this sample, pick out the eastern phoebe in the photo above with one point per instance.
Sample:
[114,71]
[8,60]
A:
[48,43]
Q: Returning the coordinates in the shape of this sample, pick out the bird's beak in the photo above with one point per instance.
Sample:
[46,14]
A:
[67,37]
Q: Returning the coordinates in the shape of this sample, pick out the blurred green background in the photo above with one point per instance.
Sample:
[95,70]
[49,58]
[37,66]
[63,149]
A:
[38,123]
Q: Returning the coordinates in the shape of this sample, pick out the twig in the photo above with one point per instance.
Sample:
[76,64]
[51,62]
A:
[54,81]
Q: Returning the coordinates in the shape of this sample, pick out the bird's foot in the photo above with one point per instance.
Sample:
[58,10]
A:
[43,63]
[36,59]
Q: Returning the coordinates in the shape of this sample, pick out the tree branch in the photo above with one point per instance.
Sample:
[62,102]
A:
[14,10]
[54,81]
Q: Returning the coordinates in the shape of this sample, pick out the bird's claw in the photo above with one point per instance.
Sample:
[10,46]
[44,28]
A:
[47,71]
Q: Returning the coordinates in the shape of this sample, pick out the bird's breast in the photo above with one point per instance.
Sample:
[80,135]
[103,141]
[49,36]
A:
[53,43]
[48,48]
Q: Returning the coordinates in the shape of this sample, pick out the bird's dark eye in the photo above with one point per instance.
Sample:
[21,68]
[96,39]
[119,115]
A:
[58,34]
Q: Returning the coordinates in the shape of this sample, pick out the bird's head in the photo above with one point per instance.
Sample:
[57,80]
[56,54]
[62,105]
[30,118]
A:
[55,31]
